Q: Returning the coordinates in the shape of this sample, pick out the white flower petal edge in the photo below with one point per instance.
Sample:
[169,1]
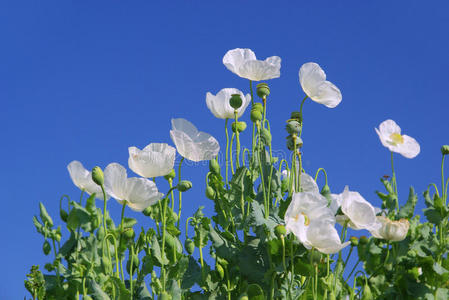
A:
[191,143]
[360,212]
[390,136]
[244,63]
[139,193]
[156,159]
[219,104]
[82,178]
[313,82]
[391,230]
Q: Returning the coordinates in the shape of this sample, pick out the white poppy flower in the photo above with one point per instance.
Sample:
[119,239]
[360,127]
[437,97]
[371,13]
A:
[390,136]
[314,84]
[156,159]
[82,178]
[312,222]
[359,212]
[244,63]
[391,230]
[219,104]
[191,143]
[139,193]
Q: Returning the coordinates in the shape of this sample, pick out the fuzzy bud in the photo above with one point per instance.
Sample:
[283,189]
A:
[354,241]
[97,175]
[280,231]
[46,247]
[147,211]
[241,126]
[255,115]
[445,149]
[189,245]
[170,175]
[184,185]
[214,167]
[210,193]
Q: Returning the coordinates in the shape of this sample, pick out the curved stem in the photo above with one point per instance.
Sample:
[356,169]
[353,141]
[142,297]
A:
[104,209]
[324,172]
[187,226]
[68,201]
[180,193]
[243,156]
[120,239]
[353,269]
[227,150]
[170,183]
[435,187]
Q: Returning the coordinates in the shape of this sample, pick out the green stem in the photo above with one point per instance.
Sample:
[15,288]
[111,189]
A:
[170,182]
[57,265]
[120,239]
[116,253]
[243,156]
[164,229]
[347,258]
[442,180]
[131,271]
[237,140]
[394,181]
[104,210]
[353,269]
[300,114]
[230,153]
[187,226]
[435,187]
[227,150]
[262,180]
[81,197]
[318,172]
[180,193]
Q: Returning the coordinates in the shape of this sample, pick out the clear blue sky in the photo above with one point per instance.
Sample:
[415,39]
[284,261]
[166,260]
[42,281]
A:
[85,80]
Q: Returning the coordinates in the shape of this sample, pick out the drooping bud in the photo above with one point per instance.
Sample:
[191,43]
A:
[97,175]
[241,126]
[235,101]
[214,167]
[184,185]
[354,241]
[263,90]
[280,230]
[46,247]
[189,245]
[210,193]
[266,136]
[129,233]
[63,214]
[170,175]
[255,115]
[106,264]
[445,149]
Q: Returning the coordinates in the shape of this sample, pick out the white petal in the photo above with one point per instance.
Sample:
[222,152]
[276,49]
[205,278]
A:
[219,104]
[308,184]
[257,70]
[358,210]
[388,127]
[327,94]
[156,159]
[410,148]
[234,59]
[141,193]
[324,237]
[115,181]
[82,178]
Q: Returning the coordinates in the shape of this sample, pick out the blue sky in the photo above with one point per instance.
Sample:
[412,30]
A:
[85,80]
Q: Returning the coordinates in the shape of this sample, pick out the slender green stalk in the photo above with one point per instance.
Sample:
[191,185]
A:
[435,187]
[172,195]
[230,153]
[131,271]
[353,269]
[116,253]
[318,172]
[394,181]
[120,239]
[57,265]
[164,229]
[300,114]
[442,180]
[347,258]
[246,150]
[237,140]
[104,210]
[267,212]
[227,150]
[81,197]
[187,226]
[180,193]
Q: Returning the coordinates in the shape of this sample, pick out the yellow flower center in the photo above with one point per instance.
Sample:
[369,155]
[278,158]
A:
[396,138]
[306,219]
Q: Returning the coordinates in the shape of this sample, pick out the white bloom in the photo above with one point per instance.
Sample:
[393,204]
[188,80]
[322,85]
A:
[314,84]
[244,63]
[139,193]
[390,135]
[219,104]
[312,222]
[361,214]
[156,159]
[191,143]
[391,230]
[82,178]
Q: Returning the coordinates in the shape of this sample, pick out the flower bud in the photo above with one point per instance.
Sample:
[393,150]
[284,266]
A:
[210,193]
[363,240]
[184,185]
[129,233]
[263,90]
[241,126]
[63,214]
[106,264]
[266,136]
[170,175]
[255,115]
[445,149]
[280,230]
[214,167]
[189,245]
[367,294]
[354,241]
[147,211]
[46,247]
[220,270]
[293,127]
[258,106]
[97,175]
[235,101]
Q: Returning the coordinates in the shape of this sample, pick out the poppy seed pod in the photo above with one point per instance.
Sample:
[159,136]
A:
[184,185]
[293,127]
[263,90]
[255,115]
[445,149]
[266,136]
[291,143]
[214,167]
[241,126]
[235,101]
[97,175]
[295,115]
[258,106]
[170,175]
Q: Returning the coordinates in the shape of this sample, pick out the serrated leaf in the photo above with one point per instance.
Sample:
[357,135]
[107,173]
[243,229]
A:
[408,209]
[79,217]
[156,252]
[129,222]
[98,293]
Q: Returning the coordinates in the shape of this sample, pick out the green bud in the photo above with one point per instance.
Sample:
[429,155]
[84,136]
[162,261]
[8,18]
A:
[241,126]
[363,240]
[46,247]
[170,175]
[165,296]
[445,149]
[235,101]
[256,115]
[210,193]
[135,263]
[266,136]
[174,216]
[258,106]
[280,231]
[106,264]
[45,217]
[63,214]
[97,175]
[147,211]
[354,241]
[189,245]
[129,233]
[184,185]
[293,127]
[214,167]
[284,185]
[263,90]
[49,267]
[220,270]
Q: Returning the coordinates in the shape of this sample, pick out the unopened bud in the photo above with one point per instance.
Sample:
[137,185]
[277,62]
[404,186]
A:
[64,215]
[189,245]
[147,211]
[280,231]
[184,185]
[129,233]
[214,167]
[220,270]
[263,90]
[235,101]
[241,126]
[445,149]
[266,136]
[46,247]
[170,175]
[210,193]
[97,175]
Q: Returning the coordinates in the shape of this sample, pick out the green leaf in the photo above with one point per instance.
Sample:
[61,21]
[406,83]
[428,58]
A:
[98,293]
[123,292]
[442,294]
[129,222]
[439,269]
[156,252]
[79,217]
[45,217]
[142,292]
[433,215]
[192,275]
[408,209]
